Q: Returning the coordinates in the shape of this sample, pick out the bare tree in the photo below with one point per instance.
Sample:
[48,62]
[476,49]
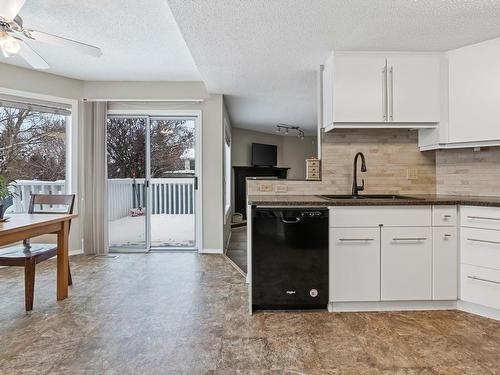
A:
[126,142]
[32,144]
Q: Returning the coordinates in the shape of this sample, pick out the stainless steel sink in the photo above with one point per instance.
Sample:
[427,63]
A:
[370,196]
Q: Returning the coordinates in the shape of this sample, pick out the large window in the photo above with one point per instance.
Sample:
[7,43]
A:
[32,151]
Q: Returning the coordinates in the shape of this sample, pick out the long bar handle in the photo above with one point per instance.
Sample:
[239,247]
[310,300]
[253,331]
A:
[485,241]
[384,92]
[391,80]
[409,239]
[485,280]
[356,239]
[483,218]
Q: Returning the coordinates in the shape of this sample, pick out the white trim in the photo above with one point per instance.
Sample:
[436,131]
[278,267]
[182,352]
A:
[444,146]
[142,100]
[391,306]
[481,310]
[75,252]
[211,251]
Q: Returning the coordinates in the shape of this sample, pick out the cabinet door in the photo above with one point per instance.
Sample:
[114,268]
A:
[474,92]
[406,264]
[354,264]
[445,263]
[414,88]
[359,88]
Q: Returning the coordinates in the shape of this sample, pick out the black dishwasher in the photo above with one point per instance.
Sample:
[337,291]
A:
[289,258]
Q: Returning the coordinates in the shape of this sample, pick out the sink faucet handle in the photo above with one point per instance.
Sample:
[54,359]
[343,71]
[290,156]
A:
[362,187]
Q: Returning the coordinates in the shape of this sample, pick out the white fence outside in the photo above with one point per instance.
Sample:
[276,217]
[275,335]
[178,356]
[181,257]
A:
[168,195]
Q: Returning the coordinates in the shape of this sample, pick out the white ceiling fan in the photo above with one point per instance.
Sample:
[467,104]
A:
[13,37]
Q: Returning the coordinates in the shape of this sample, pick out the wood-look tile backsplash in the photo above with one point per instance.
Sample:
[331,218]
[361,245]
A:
[468,172]
[389,154]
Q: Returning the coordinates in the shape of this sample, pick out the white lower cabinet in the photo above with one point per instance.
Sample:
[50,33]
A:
[480,256]
[444,263]
[480,285]
[355,264]
[393,253]
[406,260]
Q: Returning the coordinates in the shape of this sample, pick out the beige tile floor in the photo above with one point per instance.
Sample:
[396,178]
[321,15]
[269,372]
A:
[186,313]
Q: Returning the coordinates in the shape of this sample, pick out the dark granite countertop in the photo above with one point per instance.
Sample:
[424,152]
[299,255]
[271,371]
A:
[413,200]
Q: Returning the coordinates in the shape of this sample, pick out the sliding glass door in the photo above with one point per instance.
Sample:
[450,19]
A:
[127,194]
[151,183]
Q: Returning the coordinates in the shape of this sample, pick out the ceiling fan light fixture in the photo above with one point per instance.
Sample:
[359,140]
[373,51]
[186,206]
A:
[9,45]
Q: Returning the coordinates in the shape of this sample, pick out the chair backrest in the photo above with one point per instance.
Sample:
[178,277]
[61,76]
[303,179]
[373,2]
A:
[64,203]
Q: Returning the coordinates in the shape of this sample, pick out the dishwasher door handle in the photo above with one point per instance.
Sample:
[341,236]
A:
[297,220]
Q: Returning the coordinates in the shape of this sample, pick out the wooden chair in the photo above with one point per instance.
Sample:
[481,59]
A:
[27,255]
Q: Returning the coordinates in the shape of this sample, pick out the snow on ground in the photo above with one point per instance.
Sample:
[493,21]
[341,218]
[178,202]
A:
[166,231]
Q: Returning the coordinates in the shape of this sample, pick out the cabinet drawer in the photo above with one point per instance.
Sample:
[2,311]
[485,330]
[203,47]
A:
[396,216]
[313,169]
[444,263]
[480,217]
[406,264]
[444,216]
[313,163]
[354,264]
[480,285]
[480,247]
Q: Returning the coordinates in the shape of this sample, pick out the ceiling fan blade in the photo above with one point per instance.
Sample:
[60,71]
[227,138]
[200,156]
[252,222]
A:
[10,8]
[32,58]
[54,39]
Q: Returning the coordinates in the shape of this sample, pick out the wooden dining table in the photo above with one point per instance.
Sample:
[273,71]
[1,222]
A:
[21,226]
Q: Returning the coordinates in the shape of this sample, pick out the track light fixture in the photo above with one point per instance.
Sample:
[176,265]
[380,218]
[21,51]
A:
[286,128]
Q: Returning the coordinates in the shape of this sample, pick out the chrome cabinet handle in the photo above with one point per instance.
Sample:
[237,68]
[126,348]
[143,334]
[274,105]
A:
[485,280]
[483,218]
[410,239]
[446,216]
[447,235]
[391,113]
[384,92]
[356,239]
[484,241]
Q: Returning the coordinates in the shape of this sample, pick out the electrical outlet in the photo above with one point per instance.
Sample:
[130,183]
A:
[412,174]
[265,188]
[281,188]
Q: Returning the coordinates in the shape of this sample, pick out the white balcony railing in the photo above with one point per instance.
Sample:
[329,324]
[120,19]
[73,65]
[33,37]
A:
[168,195]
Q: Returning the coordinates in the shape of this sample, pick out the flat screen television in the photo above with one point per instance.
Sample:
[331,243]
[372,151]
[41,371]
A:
[264,155]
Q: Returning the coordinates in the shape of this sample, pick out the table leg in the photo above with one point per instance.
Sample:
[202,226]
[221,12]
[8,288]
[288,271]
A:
[62,261]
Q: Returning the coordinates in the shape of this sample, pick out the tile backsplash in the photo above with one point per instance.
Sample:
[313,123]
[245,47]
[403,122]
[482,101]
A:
[468,172]
[391,155]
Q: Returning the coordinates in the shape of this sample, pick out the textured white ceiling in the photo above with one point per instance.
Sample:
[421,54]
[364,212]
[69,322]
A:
[140,40]
[263,53]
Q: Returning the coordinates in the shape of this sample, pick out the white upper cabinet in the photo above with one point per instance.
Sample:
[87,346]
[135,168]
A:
[470,90]
[414,88]
[474,74]
[359,88]
[385,89]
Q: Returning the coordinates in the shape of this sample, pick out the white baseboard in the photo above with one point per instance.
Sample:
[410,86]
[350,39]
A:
[481,310]
[211,251]
[76,252]
[391,306]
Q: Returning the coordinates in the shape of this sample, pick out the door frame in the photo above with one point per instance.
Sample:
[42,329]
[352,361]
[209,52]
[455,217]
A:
[198,151]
